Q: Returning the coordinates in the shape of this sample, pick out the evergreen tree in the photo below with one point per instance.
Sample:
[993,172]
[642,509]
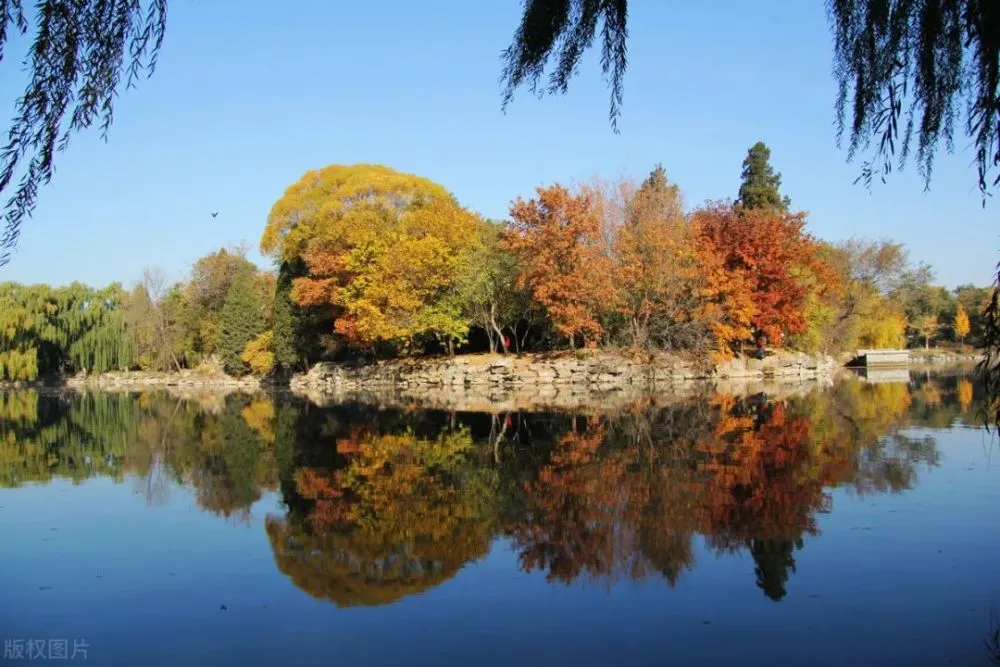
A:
[241,320]
[760,183]
[286,318]
[657,180]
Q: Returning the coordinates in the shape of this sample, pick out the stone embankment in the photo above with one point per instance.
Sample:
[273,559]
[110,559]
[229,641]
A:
[185,379]
[563,381]
[942,357]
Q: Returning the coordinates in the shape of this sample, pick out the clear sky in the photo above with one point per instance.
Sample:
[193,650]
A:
[250,94]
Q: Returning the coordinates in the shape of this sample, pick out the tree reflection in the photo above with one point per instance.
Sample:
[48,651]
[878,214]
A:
[381,504]
[404,514]
[153,438]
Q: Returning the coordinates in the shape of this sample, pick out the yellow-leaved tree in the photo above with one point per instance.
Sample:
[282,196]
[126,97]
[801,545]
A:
[259,354]
[961,324]
[387,250]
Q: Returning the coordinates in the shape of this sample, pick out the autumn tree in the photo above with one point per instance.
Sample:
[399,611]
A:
[564,260]
[241,320]
[766,252]
[884,325]
[863,313]
[974,300]
[382,249]
[494,300]
[926,327]
[258,354]
[826,289]
[657,280]
[760,184]
[961,326]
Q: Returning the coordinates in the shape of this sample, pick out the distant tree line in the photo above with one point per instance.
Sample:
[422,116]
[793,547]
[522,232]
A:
[370,262]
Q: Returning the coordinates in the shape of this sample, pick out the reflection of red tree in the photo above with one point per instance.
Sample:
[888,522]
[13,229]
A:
[763,484]
[601,511]
[325,488]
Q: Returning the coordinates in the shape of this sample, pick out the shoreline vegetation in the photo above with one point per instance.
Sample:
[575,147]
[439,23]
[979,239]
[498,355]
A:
[373,268]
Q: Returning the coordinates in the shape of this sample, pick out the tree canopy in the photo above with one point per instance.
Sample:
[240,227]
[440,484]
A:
[760,184]
[385,250]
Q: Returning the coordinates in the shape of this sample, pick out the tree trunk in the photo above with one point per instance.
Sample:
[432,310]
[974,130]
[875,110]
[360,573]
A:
[499,333]
[523,339]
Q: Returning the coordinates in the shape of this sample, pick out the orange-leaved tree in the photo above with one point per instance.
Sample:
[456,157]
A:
[564,259]
[386,250]
[657,281]
[770,253]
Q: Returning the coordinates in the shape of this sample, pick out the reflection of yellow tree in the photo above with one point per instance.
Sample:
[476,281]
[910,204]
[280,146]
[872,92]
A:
[259,416]
[963,393]
[404,515]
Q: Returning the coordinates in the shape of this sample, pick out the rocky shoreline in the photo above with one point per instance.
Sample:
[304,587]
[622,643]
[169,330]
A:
[598,372]
[939,357]
[488,379]
[185,379]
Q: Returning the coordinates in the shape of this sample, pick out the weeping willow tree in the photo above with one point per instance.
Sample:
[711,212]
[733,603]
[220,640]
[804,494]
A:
[81,52]
[51,330]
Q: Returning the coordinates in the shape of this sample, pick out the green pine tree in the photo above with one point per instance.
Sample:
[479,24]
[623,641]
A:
[657,180]
[760,183]
[286,318]
[241,319]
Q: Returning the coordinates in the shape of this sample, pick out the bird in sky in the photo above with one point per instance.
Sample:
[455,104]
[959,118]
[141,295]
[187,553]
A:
[215,214]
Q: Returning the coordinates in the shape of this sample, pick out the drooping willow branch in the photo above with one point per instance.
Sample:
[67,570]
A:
[567,28]
[81,51]
[908,71]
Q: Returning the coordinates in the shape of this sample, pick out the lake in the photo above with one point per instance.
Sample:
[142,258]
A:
[846,525]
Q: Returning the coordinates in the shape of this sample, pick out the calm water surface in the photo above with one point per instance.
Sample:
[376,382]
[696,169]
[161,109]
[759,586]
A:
[856,525]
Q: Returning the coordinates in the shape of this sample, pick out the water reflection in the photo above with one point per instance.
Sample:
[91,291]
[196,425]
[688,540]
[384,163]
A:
[380,504]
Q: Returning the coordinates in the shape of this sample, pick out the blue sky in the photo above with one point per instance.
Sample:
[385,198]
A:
[251,94]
